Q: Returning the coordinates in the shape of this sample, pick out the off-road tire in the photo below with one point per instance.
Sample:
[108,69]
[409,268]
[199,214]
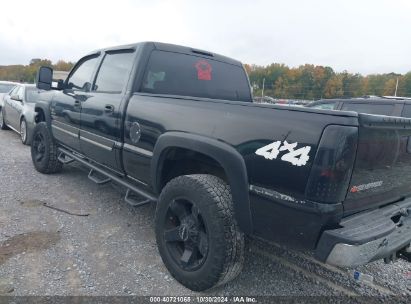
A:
[49,162]
[225,257]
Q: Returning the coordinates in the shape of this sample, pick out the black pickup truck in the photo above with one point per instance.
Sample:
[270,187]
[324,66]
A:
[177,126]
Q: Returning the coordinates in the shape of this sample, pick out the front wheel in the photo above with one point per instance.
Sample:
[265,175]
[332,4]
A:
[44,152]
[196,232]
[23,131]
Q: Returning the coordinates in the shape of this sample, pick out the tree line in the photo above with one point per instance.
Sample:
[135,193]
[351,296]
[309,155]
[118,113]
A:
[280,81]
[27,73]
[315,82]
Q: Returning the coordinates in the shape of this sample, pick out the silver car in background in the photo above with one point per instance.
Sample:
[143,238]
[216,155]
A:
[17,112]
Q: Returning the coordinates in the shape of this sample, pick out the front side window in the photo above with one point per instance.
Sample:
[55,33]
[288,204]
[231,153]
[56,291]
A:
[189,75]
[369,108]
[114,72]
[14,91]
[80,79]
[19,93]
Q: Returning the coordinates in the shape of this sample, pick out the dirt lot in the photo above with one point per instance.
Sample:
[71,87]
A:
[102,246]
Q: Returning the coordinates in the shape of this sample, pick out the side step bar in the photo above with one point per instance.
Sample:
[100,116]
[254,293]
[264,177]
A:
[64,159]
[132,200]
[65,154]
[96,179]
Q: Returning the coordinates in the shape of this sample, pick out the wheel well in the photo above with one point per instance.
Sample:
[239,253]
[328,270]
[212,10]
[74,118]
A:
[40,116]
[180,161]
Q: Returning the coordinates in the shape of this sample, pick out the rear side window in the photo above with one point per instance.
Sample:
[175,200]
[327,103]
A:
[4,88]
[379,109]
[114,72]
[187,75]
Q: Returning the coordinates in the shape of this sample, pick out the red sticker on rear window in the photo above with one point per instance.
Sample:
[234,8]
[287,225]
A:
[203,70]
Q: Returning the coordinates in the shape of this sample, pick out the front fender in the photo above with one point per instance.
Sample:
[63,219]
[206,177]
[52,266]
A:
[229,159]
[44,106]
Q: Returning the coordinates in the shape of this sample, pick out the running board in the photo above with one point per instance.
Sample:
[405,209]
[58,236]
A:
[130,188]
[132,201]
[93,176]
[64,159]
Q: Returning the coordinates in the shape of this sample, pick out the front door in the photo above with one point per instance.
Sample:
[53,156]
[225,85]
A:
[66,105]
[100,132]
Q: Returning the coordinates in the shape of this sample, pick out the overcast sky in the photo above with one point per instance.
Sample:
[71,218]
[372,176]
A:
[366,36]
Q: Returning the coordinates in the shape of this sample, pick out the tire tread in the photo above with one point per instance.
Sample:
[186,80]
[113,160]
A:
[53,165]
[228,265]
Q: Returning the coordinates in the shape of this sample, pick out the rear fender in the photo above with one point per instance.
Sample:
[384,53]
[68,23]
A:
[228,158]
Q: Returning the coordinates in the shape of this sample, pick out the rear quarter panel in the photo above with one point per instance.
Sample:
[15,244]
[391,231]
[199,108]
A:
[244,126]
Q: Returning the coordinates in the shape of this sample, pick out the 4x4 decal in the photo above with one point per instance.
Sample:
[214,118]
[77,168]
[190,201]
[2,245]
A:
[297,157]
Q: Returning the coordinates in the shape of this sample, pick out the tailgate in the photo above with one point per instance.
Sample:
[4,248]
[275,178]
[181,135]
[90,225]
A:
[382,170]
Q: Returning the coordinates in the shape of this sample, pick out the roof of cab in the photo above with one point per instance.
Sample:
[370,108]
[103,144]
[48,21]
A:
[171,48]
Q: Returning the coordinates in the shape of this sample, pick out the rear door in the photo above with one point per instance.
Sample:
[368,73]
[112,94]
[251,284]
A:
[100,132]
[66,104]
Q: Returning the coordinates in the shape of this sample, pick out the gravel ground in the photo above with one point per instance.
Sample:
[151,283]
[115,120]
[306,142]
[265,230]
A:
[108,247]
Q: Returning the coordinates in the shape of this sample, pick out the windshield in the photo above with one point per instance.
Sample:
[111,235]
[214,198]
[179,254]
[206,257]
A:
[6,87]
[32,94]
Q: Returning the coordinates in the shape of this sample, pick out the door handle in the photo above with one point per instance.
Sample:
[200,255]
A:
[109,108]
[77,103]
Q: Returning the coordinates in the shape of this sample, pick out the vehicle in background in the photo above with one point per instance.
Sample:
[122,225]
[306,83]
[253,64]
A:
[397,97]
[5,87]
[281,101]
[17,112]
[390,106]
[265,99]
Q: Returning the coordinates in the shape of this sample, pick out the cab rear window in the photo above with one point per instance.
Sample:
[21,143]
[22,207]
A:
[187,75]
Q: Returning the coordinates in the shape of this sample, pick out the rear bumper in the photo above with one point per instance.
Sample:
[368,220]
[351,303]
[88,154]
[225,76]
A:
[367,236]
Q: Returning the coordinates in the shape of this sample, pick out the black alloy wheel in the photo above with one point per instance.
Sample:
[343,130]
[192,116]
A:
[185,234]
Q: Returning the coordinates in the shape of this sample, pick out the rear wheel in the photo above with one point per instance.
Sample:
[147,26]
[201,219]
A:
[197,236]
[2,123]
[44,152]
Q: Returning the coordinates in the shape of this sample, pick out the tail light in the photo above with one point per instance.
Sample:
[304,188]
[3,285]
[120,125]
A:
[333,164]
